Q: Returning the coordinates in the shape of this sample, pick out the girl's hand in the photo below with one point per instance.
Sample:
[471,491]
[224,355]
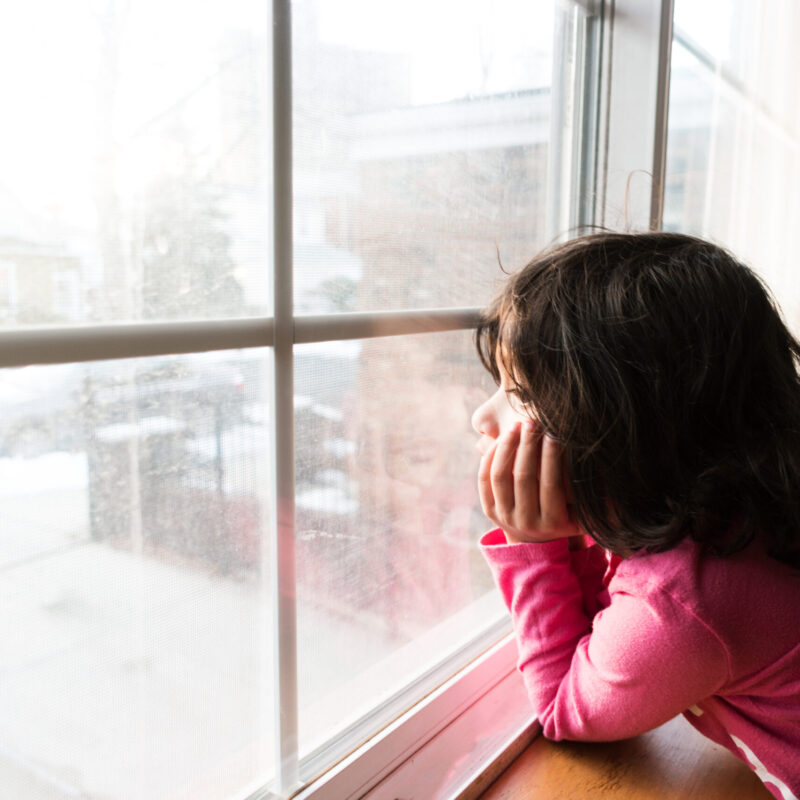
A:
[521,486]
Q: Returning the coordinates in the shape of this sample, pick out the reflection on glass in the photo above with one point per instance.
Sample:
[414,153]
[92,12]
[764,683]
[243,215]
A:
[389,575]
[751,44]
[420,149]
[734,137]
[135,629]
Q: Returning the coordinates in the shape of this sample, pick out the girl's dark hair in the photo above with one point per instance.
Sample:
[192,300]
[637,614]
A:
[662,365]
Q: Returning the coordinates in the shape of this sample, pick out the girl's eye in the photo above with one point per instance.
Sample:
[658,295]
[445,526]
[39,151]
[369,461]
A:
[516,402]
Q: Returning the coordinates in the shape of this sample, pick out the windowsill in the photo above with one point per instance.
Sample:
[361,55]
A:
[450,745]
[673,762]
[471,752]
[354,710]
[493,751]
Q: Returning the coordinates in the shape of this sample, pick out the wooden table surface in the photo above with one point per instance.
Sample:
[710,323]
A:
[673,762]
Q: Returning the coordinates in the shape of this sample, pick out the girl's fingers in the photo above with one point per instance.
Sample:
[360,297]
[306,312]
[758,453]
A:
[521,485]
[526,475]
[552,497]
[502,471]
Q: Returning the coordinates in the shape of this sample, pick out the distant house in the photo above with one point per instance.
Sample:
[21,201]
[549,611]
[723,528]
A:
[39,282]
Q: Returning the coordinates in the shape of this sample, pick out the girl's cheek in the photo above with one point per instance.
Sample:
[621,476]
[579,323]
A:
[511,417]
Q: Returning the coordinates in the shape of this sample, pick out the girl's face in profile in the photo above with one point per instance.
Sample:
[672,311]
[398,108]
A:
[498,414]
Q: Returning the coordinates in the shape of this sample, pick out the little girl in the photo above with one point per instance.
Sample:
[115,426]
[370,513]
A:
[648,396]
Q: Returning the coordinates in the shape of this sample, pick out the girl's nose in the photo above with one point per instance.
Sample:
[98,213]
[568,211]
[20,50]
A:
[484,420]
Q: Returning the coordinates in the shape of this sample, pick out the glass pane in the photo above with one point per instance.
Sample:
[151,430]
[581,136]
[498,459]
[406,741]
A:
[134,158]
[136,627]
[752,43]
[390,581]
[420,149]
[733,159]
[719,28]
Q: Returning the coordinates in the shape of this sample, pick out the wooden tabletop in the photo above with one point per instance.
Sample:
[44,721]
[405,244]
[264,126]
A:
[673,762]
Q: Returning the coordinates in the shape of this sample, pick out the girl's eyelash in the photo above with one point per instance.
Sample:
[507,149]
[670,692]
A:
[513,396]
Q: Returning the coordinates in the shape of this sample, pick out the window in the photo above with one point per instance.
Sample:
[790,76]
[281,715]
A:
[239,521]
[733,162]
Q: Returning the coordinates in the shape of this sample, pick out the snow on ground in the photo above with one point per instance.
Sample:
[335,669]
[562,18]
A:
[43,474]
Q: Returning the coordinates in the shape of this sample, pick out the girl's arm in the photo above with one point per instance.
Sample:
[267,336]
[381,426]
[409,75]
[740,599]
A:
[631,667]
[521,487]
[617,673]
[589,565]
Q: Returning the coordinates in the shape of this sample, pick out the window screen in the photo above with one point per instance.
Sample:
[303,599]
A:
[141,642]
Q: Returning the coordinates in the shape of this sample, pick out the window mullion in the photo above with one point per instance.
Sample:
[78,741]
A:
[62,345]
[572,170]
[662,109]
[559,157]
[282,533]
[81,343]
[368,325]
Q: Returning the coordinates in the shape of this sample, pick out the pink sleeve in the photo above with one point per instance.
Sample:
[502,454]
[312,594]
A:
[589,566]
[633,666]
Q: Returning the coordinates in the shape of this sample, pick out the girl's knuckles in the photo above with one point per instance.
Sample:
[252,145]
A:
[498,474]
[484,479]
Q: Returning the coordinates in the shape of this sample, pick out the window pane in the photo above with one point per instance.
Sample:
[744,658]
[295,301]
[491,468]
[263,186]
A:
[420,149]
[720,29]
[733,160]
[752,44]
[134,160]
[390,580]
[136,626]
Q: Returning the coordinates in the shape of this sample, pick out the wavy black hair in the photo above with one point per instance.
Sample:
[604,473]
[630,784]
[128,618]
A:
[662,365]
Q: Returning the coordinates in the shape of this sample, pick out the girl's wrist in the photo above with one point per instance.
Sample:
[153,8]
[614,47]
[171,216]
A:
[512,539]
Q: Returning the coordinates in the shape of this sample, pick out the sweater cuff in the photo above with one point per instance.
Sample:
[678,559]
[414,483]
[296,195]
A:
[495,548]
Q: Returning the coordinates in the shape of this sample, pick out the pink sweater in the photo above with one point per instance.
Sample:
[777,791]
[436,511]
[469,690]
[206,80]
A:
[610,648]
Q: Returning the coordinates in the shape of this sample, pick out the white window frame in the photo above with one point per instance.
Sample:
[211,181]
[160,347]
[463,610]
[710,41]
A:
[634,110]
[614,131]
